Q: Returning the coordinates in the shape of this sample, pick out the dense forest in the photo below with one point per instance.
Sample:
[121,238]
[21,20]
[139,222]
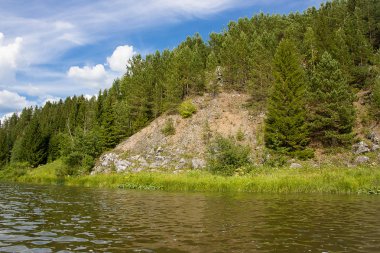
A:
[302,69]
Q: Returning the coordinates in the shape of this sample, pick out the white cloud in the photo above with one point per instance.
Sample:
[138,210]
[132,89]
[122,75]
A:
[50,99]
[9,58]
[11,101]
[92,76]
[7,116]
[118,61]
[97,76]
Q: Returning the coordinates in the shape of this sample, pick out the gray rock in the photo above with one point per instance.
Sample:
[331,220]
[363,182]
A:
[141,160]
[108,159]
[375,147]
[122,165]
[197,163]
[361,160]
[159,158]
[136,157]
[295,166]
[136,170]
[155,165]
[180,166]
[373,137]
[182,161]
[360,148]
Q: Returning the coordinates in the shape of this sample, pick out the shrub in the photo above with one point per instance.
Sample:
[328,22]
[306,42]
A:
[75,164]
[187,109]
[275,160]
[225,156]
[240,136]
[168,128]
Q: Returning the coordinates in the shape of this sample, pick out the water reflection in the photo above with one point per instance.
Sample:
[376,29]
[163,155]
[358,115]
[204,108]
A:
[54,219]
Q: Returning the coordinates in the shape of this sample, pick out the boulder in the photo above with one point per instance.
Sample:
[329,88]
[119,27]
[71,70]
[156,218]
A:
[373,137]
[361,160]
[295,166]
[360,148]
[197,163]
[375,147]
[122,165]
[108,159]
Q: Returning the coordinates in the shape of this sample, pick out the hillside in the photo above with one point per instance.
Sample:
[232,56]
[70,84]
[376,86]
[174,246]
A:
[149,149]
[304,68]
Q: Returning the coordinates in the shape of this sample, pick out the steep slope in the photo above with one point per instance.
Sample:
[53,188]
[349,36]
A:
[150,149]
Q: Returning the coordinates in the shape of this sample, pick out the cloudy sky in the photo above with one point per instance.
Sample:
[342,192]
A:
[51,49]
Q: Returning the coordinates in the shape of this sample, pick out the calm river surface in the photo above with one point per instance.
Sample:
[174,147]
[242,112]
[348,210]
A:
[64,219]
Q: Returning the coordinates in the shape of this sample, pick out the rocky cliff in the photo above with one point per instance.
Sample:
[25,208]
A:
[150,149]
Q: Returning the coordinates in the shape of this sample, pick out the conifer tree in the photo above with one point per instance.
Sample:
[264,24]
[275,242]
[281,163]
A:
[331,103]
[285,127]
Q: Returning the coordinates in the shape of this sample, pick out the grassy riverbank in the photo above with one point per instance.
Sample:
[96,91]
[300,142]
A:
[269,180]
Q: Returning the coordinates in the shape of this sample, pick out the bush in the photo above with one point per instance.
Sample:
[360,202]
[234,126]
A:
[187,109]
[168,128]
[15,170]
[240,136]
[225,156]
[275,160]
[75,164]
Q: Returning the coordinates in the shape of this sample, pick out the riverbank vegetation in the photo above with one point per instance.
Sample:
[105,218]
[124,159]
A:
[301,70]
[359,180]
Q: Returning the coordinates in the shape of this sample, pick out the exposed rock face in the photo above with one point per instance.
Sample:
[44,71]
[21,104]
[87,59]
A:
[375,147]
[295,166]
[361,160]
[150,149]
[198,163]
[373,138]
[360,148]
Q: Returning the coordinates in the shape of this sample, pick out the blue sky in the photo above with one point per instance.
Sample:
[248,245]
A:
[51,49]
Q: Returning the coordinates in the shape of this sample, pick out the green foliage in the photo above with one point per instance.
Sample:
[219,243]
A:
[168,128]
[375,100]
[75,164]
[331,107]
[240,136]
[243,55]
[225,156]
[186,109]
[275,160]
[206,133]
[285,126]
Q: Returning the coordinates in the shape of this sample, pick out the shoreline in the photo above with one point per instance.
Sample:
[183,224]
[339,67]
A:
[330,180]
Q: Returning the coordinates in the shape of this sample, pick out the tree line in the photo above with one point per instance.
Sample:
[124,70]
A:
[302,69]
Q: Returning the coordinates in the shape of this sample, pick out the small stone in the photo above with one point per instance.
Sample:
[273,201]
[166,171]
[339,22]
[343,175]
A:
[159,158]
[375,147]
[361,160]
[360,148]
[295,166]
[159,150]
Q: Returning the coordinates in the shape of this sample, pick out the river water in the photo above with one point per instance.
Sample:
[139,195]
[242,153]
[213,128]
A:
[66,219]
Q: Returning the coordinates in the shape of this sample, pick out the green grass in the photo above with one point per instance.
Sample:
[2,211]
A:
[362,180]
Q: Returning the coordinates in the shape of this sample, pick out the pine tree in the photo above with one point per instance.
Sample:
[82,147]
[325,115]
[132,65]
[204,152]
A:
[331,104]
[285,127]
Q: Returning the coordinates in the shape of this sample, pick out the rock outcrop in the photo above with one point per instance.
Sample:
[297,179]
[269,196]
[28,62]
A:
[150,149]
